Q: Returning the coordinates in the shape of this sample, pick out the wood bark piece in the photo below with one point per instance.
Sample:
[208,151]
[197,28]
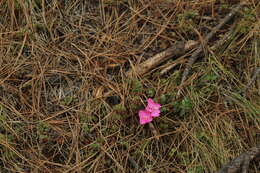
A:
[177,49]
[198,52]
[241,163]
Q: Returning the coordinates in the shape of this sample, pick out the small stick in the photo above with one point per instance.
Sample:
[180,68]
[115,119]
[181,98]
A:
[177,49]
[197,53]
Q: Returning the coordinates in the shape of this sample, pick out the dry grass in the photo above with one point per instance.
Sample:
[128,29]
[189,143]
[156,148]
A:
[66,105]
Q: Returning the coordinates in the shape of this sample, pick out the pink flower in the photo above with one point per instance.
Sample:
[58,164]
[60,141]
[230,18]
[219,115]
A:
[153,107]
[145,117]
[152,110]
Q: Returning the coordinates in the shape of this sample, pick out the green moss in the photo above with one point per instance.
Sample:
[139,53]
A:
[137,86]
[150,92]
[163,126]
[196,169]
[115,116]
[43,130]
[163,99]
[95,146]
[119,108]
[204,138]
[85,128]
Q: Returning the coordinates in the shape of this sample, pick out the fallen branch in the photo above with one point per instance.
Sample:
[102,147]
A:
[177,49]
[198,52]
[241,163]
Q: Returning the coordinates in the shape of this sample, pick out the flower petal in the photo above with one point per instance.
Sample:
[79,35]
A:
[155,113]
[145,117]
[149,109]
[153,104]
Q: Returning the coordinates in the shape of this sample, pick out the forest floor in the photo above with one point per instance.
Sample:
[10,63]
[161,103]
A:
[67,103]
